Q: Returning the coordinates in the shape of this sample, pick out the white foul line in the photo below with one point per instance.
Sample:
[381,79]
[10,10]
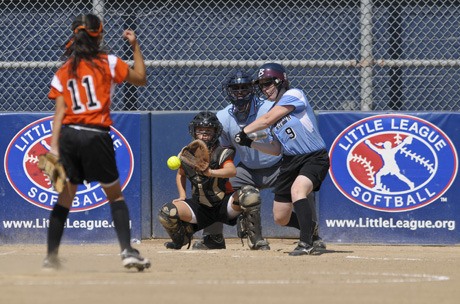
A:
[383,259]
[373,278]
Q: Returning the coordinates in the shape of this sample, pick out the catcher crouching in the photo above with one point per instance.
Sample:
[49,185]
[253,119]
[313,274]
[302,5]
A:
[208,167]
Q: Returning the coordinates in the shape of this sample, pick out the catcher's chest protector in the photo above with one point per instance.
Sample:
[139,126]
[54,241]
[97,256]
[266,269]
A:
[208,190]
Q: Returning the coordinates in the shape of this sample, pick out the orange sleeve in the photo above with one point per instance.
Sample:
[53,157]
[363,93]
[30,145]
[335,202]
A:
[54,93]
[56,84]
[121,71]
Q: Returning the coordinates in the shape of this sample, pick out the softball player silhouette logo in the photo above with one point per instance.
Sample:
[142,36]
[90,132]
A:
[393,162]
[30,183]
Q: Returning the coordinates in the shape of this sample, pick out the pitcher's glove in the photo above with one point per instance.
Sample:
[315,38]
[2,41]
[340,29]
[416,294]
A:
[196,155]
[53,168]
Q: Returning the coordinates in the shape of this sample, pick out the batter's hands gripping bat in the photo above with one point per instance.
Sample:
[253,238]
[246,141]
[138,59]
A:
[53,168]
[247,139]
[196,155]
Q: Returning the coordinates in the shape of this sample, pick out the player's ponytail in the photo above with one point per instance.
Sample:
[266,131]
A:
[85,42]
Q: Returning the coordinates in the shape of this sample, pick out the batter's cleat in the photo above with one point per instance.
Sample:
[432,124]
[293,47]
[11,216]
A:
[51,262]
[303,249]
[209,242]
[132,258]
[318,243]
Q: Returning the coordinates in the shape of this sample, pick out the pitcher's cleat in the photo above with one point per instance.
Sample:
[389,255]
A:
[51,262]
[132,258]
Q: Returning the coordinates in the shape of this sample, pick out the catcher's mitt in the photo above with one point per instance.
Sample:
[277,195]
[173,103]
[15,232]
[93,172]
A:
[196,155]
[53,168]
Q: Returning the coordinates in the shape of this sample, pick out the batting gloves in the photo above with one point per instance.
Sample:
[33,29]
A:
[242,139]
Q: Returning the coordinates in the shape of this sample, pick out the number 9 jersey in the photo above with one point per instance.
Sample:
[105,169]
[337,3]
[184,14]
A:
[89,95]
[298,131]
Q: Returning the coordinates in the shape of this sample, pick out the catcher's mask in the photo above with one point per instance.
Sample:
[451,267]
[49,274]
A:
[206,119]
[271,73]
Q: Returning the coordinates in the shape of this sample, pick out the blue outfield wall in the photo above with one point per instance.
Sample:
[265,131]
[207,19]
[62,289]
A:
[392,179]
[26,196]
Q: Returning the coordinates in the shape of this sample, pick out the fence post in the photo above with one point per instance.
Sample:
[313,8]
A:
[366,55]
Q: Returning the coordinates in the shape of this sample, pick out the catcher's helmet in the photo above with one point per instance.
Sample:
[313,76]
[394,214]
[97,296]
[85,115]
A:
[239,89]
[272,72]
[206,119]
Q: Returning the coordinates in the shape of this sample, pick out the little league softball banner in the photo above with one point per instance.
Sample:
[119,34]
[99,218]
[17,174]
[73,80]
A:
[393,178]
[27,196]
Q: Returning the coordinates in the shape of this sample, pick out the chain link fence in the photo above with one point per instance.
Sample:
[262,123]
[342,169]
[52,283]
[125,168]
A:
[346,55]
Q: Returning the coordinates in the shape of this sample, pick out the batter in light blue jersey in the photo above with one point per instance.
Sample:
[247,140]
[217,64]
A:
[298,131]
[305,161]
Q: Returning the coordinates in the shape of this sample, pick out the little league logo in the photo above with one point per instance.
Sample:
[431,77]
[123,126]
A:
[393,163]
[21,159]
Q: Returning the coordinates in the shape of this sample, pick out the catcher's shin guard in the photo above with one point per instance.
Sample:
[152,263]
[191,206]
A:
[249,222]
[181,232]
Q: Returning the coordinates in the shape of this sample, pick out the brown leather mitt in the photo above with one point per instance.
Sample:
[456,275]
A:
[53,168]
[196,155]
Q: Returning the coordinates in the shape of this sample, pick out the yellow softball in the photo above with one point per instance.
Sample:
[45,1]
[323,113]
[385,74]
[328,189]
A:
[173,163]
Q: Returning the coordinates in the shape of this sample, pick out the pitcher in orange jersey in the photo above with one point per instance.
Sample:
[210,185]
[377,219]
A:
[82,89]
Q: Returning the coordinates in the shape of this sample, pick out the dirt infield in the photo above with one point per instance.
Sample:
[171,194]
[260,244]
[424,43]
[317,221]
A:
[342,274]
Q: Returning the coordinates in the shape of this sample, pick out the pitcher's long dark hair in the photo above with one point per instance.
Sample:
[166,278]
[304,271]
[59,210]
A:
[85,43]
